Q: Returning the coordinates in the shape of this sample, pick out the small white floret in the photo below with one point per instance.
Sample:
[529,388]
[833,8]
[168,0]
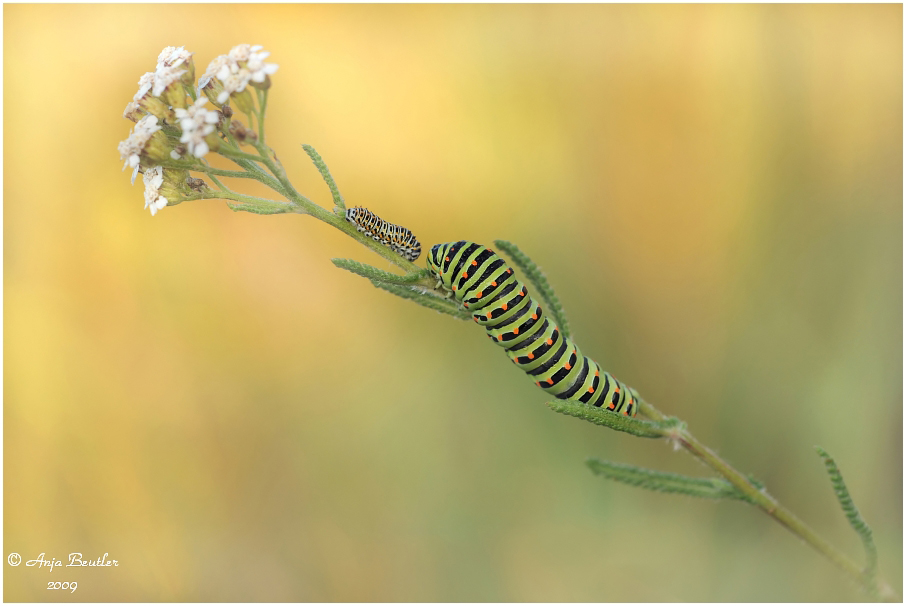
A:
[154,179]
[234,79]
[197,122]
[213,68]
[173,56]
[164,77]
[131,148]
[145,85]
[133,111]
[259,69]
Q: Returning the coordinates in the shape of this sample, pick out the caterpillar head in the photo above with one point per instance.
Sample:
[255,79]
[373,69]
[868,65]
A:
[441,263]
[435,260]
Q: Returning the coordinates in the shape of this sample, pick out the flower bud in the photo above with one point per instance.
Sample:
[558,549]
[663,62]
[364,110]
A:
[148,101]
[242,133]
[178,56]
[169,87]
[196,184]
[266,84]
[165,187]
[146,144]
[158,147]
[244,101]
[209,84]
[134,111]
[154,180]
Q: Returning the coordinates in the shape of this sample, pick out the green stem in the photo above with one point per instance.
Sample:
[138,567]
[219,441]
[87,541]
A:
[267,156]
[262,107]
[235,153]
[212,172]
[253,167]
[252,204]
[762,499]
[248,164]
[340,223]
[346,227]
[219,183]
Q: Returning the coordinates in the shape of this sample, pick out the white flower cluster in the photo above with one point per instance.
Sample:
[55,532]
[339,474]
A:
[173,56]
[145,84]
[168,104]
[244,64]
[131,149]
[164,77]
[166,73]
[154,180]
[197,123]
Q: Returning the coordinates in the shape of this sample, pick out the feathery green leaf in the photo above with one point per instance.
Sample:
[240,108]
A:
[261,207]
[855,519]
[325,174]
[598,416]
[662,481]
[426,300]
[373,273]
[533,273]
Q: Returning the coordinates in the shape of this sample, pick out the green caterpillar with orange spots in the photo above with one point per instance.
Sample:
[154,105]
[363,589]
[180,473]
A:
[482,282]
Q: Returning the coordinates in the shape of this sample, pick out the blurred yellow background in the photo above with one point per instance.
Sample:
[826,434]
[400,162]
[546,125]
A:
[714,191]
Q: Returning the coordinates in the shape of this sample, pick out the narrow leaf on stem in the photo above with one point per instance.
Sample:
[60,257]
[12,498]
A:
[855,520]
[373,273]
[325,174]
[631,425]
[662,481]
[425,300]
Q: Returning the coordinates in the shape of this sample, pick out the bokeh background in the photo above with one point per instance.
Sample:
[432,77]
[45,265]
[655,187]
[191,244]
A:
[715,192]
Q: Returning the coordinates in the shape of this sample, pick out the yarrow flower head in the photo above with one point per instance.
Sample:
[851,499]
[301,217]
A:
[229,75]
[168,85]
[198,125]
[146,100]
[133,111]
[234,80]
[145,141]
[178,56]
[256,65]
[173,56]
[174,125]
[209,84]
[166,187]
[154,180]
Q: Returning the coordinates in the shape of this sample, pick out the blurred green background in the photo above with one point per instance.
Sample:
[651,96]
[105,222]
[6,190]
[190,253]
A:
[714,191]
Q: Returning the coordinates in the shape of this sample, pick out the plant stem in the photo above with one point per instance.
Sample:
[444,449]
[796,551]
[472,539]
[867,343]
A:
[766,502]
[309,207]
[238,174]
[253,204]
[269,158]
[262,107]
[233,153]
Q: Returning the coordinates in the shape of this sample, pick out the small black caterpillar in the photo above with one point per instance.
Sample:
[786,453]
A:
[484,284]
[398,238]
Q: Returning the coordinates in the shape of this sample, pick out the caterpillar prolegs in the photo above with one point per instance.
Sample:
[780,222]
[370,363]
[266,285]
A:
[483,283]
